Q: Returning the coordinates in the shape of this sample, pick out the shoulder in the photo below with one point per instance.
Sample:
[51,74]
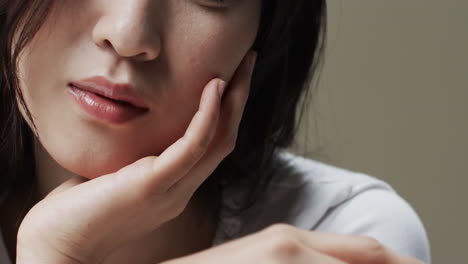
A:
[359,204]
[316,196]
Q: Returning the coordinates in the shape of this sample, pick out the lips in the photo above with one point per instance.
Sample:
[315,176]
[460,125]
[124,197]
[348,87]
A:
[107,101]
[116,91]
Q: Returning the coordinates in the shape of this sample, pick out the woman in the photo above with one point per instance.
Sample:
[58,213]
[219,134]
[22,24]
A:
[122,139]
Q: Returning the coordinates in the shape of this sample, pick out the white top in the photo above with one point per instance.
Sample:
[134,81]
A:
[316,196]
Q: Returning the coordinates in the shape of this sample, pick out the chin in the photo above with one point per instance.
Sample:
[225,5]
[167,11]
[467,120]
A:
[93,171]
[94,154]
[93,166]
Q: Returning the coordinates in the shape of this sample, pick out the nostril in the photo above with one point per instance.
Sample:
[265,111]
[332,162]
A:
[107,44]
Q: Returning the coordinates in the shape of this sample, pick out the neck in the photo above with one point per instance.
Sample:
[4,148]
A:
[49,173]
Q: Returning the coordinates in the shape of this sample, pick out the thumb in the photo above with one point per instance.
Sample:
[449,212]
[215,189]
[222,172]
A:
[70,183]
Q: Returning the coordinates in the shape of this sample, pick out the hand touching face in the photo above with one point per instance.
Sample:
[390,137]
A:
[83,219]
[168,50]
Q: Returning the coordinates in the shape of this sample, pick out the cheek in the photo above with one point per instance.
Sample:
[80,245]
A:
[211,49]
[198,53]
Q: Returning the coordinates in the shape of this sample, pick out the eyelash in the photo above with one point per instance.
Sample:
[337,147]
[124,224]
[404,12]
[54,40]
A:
[220,2]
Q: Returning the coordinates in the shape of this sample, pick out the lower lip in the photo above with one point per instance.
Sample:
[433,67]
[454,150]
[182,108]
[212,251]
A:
[104,108]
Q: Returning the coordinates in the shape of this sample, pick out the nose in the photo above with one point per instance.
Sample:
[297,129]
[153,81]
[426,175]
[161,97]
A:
[130,29]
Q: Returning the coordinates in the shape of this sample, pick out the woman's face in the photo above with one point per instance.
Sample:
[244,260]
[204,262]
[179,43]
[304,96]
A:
[167,49]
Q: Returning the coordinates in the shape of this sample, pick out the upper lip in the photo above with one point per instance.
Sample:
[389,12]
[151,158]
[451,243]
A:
[116,91]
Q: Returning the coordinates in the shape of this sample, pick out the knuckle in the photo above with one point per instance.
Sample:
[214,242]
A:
[178,208]
[198,150]
[284,248]
[230,148]
[230,144]
[374,250]
[281,242]
[372,244]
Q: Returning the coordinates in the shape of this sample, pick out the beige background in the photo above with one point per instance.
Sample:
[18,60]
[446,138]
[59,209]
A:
[393,102]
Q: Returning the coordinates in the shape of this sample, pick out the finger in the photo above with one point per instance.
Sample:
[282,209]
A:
[74,181]
[313,256]
[255,248]
[232,110]
[155,175]
[352,249]
[128,190]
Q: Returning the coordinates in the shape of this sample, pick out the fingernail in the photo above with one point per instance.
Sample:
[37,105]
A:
[252,60]
[221,87]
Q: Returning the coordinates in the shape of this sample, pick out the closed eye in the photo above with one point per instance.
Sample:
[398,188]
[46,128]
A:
[218,3]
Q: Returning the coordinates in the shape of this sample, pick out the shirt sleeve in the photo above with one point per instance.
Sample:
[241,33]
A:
[383,215]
